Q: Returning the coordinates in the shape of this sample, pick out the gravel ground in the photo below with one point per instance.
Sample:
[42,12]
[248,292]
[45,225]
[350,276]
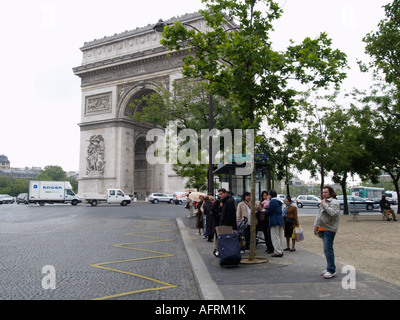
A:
[370,244]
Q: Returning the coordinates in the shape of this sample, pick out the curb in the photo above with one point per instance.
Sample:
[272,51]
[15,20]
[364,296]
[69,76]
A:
[208,289]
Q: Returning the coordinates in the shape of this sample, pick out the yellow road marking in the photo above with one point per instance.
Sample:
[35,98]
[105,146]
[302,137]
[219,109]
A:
[166,285]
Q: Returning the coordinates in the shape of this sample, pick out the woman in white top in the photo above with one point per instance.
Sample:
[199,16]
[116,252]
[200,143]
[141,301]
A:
[243,215]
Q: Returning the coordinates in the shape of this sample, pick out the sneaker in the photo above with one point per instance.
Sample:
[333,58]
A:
[323,272]
[328,275]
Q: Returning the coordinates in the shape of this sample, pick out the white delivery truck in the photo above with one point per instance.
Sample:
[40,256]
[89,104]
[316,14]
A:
[113,196]
[42,192]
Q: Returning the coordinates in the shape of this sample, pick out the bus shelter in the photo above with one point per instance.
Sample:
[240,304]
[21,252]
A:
[238,184]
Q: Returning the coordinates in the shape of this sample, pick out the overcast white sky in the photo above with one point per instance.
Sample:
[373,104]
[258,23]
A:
[41,97]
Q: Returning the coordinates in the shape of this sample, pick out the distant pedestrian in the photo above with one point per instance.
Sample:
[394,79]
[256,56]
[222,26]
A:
[216,214]
[263,221]
[274,211]
[385,208]
[244,216]
[189,206]
[326,226]
[210,219]
[199,215]
[290,221]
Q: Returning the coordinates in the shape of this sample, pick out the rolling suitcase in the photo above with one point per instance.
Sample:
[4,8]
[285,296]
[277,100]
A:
[229,250]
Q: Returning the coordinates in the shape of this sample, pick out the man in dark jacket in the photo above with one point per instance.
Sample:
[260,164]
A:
[274,211]
[228,210]
[386,209]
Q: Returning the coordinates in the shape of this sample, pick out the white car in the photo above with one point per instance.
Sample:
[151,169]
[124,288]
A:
[5,198]
[308,200]
[179,197]
[282,197]
[160,197]
[354,202]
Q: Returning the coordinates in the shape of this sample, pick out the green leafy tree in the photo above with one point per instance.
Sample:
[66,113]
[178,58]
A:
[379,120]
[187,105]
[314,158]
[333,141]
[52,173]
[241,65]
[384,45]
[13,186]
[285,155]
[345,157]
[382,104]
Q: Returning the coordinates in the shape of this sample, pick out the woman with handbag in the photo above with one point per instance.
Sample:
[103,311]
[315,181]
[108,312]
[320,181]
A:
[244,219]
[290,221]
[199,215]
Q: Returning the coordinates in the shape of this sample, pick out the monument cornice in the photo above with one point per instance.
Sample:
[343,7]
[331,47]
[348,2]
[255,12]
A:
[129,66]
[136,57]
[112,123]
[129,34]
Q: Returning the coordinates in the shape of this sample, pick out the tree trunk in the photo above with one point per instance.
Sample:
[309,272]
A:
[322,173]
[253,232]
[343,185]
[396,186]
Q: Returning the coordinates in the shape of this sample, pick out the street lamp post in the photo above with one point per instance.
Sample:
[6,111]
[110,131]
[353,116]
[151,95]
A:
[159,27]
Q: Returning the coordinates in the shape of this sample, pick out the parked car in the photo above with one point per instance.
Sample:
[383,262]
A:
[282,197]
[354,202]
[22,198]
[179,197]
[6,198]
[308,200]
[160,197]
[238,199]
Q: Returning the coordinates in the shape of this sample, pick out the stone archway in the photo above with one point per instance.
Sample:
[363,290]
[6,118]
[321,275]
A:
[136,103]
[114,71]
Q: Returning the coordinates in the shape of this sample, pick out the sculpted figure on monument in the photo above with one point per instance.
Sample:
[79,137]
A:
[95,155]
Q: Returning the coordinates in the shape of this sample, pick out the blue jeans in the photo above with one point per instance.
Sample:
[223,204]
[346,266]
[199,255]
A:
[327,239]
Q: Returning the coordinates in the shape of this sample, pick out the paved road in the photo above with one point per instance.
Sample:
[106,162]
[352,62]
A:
[104,252]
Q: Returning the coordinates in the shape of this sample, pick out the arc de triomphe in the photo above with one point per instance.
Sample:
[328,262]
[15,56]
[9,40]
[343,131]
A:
[116,71]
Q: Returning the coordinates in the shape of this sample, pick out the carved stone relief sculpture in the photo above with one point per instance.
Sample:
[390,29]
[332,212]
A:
[95,162]
[98,103]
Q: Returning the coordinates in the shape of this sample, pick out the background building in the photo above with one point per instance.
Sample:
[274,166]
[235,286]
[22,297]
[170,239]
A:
[4,162]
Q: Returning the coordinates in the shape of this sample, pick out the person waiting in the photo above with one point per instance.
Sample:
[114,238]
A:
[385,208]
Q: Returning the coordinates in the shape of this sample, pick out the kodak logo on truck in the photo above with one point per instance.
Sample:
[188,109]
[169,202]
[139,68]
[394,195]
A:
[35,186]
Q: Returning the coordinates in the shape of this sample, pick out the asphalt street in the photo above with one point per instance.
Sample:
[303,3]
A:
[108,252]
[65,252]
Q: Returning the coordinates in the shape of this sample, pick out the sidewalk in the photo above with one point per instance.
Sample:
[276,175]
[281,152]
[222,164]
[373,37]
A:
[294,276]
